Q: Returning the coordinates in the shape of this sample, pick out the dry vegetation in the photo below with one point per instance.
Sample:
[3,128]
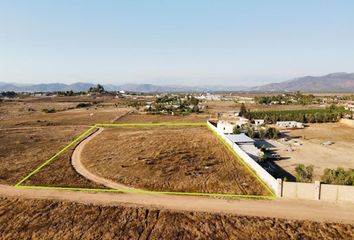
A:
[134,118]
[28,138]
[44,219]
[188,159]
[23,150]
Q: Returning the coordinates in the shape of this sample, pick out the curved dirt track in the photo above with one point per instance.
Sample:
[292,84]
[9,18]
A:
[82,170]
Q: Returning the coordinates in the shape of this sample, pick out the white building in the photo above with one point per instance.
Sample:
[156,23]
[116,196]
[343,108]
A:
[258,122]
[290,124]
[246,144]
[225,127]
[350,106]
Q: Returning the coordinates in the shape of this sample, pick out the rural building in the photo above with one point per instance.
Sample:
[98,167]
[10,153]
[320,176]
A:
[258,122]
[246,144]
[242,120]
[290,124]
[225,127]
[350,106]
[240,139]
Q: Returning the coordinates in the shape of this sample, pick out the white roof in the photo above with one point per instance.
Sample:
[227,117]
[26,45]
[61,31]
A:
[239,138]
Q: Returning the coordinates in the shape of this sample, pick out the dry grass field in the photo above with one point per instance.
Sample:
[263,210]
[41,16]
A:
[188,159]
[312,151]
[45,219]
[145,118]
[171,158]
[24,149]
[29,138]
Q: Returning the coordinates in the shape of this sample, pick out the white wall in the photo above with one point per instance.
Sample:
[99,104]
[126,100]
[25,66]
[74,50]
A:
[261,172]
[317,191]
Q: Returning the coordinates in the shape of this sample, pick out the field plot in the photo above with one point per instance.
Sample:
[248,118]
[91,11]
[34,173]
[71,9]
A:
[168,158]
[29,114]
[24,149]
[146,118]
[311,149]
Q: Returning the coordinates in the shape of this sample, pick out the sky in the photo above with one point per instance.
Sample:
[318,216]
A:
[169,42]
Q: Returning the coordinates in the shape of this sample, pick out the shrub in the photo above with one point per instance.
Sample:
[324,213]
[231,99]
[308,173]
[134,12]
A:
[304,173]
[272,133]
[49,110]
[83,105]
[338,176]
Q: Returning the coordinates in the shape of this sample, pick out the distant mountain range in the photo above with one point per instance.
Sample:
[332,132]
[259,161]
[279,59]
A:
[77,87]
[334,82]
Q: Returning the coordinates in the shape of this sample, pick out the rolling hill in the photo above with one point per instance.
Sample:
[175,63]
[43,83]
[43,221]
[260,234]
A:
[334,82]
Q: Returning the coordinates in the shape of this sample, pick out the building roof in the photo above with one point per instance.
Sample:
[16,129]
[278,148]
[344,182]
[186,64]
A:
[240,138]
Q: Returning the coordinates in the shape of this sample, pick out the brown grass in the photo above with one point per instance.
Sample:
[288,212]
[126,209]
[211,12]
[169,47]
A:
[188,159]
[23,150]
[44,219]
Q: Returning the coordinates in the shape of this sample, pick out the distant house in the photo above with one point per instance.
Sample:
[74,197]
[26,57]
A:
[225,127]
[258,122]
[290,124]
[242,120]
[350,106]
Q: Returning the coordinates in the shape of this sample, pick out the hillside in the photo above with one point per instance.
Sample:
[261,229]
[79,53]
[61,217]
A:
[334,82]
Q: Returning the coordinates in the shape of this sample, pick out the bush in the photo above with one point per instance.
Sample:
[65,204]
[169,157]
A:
[338,176]
[304,173]
[83,105]
[49,110]
[272,133]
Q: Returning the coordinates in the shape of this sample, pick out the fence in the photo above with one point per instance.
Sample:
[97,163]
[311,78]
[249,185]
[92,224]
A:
[268,179]
[317,191]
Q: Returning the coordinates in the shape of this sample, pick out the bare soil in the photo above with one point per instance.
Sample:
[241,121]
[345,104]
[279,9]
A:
[47,219]
[313,152]
[188,159]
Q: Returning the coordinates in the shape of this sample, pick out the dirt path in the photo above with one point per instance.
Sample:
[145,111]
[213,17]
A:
[82,170]
[279,208]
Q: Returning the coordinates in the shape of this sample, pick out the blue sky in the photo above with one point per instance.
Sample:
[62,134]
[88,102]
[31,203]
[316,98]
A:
[188,42]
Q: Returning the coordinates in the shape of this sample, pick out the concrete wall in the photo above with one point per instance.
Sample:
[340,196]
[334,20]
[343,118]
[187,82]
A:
[297,190]
[261,172]
[337,192]
[317,191]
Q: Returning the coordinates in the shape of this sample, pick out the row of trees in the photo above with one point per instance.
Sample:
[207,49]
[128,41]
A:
[330,114]
[337,176]
[174,104]
[286,99]
[270,133]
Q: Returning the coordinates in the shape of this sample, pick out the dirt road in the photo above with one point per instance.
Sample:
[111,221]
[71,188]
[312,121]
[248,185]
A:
[82,170]
[289,209]
[280,208]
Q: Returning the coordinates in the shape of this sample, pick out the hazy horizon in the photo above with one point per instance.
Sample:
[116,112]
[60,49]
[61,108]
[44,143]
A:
[187,43]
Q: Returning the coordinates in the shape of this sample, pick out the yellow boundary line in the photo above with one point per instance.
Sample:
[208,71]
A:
[84,134]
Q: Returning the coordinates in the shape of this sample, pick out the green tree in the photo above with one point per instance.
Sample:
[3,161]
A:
[304,173]
[338,176]
[243,110]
